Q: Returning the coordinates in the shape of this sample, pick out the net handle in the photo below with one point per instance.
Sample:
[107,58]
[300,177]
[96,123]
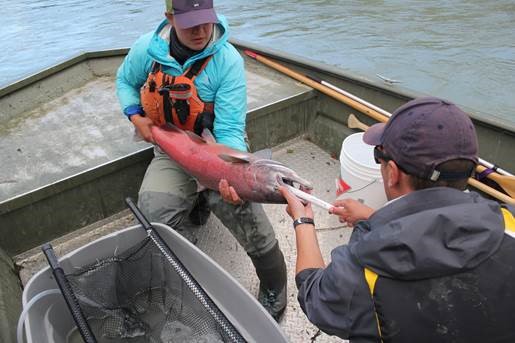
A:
[139,216]
[186,276]
[68,295]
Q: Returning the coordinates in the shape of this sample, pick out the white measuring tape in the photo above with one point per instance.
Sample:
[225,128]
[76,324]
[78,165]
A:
[308,197]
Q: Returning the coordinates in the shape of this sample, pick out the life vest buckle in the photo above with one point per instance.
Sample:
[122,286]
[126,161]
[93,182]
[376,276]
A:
[152,86]
[180,91]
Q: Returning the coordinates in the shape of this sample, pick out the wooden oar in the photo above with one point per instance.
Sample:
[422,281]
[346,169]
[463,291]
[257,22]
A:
[497,169]
[343,96]
[506,182]
[332,93]
[350,95]
[355,123]
[490,191]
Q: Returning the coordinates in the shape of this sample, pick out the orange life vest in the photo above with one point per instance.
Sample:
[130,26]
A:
[174,99]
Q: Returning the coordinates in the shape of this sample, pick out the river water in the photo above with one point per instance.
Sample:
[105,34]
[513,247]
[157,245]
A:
[463,50]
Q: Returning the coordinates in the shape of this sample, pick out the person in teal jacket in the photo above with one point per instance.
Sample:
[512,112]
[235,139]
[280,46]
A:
[193,37]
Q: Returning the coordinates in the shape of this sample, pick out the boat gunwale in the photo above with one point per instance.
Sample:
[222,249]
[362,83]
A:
[73,181]
[402,93]
[58,67]
[485,119]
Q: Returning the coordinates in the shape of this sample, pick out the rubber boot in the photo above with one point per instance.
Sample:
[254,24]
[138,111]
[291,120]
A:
[271,271]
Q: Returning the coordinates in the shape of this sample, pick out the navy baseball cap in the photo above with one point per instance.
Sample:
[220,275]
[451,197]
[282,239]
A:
[190,13]
[424,133]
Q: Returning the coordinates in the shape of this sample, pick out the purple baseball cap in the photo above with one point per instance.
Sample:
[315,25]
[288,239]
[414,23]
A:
[424,133]
[190,13]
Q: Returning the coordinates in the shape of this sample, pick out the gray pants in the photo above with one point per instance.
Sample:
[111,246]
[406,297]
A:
[168,194]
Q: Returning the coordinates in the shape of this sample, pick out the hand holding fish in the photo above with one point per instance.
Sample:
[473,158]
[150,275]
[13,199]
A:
[296,209]
[351,211]
[228,193]
[144,127]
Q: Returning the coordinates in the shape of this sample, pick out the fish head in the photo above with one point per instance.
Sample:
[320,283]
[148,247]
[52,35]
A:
[272,174]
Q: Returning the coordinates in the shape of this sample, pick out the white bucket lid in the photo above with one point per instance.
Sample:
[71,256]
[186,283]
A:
[359,152]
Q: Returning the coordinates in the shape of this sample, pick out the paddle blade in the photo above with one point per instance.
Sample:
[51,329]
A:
[354,123]
[507,183]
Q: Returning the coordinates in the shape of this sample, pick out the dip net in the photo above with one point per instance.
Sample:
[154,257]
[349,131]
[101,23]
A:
[138,296]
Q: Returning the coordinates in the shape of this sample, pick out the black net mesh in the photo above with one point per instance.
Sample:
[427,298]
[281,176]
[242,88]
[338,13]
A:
[137,297]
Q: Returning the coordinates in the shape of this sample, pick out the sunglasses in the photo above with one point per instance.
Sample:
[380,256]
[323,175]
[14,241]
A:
[380,155]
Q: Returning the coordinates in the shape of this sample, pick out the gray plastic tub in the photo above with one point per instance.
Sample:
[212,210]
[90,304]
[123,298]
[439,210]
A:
[49,320]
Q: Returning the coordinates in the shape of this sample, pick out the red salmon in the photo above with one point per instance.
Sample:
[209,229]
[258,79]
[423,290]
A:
[254,178]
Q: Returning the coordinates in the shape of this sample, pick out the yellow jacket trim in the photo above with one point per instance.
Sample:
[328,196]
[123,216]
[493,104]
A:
[371,278]
[509,222]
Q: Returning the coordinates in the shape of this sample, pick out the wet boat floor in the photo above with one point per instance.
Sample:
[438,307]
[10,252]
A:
[310,162]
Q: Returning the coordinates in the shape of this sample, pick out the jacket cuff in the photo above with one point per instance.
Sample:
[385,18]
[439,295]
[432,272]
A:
[131,110]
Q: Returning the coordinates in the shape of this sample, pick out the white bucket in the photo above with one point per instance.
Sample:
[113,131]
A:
[360,177]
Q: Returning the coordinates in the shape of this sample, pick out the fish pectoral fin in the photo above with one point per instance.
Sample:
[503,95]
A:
[265,154]
[234,159]
[170,127]
[207,135]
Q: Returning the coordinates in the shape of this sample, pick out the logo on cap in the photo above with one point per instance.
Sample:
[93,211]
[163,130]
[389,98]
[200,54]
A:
[190,13]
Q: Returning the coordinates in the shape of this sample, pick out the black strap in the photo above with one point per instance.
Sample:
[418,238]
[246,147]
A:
[451,175]
[167,103]
[205,120]
[156,66]
[303,220]
[152,83]
[196,67]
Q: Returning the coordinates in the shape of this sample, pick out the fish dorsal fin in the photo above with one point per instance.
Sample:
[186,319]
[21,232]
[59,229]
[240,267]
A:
[208,136]
[234,158]
[172,128]
[265,154]
[196,138]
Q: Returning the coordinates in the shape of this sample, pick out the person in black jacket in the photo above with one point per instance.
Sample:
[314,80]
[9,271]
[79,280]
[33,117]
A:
[434,264]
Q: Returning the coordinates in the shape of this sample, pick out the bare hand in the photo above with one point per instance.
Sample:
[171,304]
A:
[143,126]
[228,193]
[296,208]
[351,211]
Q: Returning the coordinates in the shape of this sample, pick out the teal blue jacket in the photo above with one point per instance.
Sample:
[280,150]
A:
[221,82]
